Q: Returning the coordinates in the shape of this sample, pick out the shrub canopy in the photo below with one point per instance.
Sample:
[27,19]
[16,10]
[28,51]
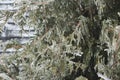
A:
[76,39]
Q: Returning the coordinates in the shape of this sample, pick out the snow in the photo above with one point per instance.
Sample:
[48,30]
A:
[2,21]
[12,30]
[24,41]
[3,34]
[7,2]
[103,76]
[8,5]
[12,27]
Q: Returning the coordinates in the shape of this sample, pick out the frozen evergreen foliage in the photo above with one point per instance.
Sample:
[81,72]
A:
[75,40]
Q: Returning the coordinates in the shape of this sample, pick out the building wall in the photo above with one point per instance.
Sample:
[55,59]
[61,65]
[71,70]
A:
[11,31]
